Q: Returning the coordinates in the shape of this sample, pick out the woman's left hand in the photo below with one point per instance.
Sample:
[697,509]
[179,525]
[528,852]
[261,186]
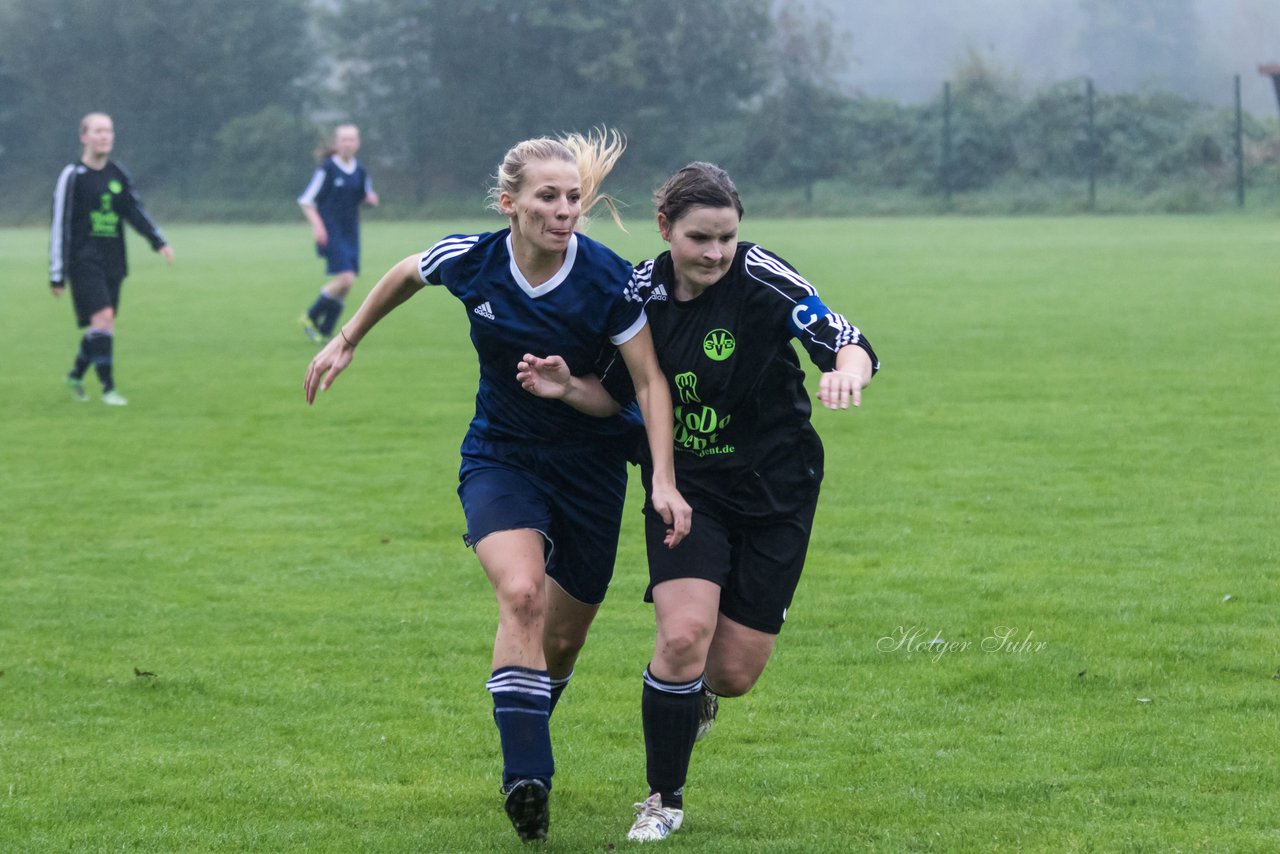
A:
[837,388]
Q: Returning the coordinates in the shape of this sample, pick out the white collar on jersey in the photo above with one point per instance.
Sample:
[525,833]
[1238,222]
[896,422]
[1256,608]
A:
[550,284]
[348,166]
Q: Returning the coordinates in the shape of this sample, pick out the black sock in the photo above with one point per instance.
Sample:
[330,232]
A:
[82,359]
[670,714]
[97,346]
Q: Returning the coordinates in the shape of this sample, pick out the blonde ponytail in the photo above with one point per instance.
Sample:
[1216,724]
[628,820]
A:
[594,154]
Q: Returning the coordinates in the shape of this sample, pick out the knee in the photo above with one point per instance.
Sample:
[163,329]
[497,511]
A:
[731,681]
[562,644]
[522,600]
[562,640]
[682,645]
[103,321]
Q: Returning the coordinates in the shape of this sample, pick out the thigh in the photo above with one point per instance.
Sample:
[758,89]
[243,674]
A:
[704,553]
[91,291]
[686,612]
[573,497]
[568,619]
[768,557]
[513,562]
[497,498]
[588,491]
[737,657]
[341,255]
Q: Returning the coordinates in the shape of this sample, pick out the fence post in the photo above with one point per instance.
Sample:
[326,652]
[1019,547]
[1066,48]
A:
[1093,147]
[946,142]
[1239,148]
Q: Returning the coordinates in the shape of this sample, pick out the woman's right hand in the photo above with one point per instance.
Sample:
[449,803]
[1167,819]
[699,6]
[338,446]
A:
[674,510]
[547,377]
[320,235]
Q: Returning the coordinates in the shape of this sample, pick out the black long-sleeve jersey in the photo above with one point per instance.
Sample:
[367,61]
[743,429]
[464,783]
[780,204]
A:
[89,206]
[741,412]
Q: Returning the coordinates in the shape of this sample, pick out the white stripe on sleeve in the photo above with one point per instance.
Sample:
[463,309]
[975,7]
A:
[450,247]
[57,233]
[308,196]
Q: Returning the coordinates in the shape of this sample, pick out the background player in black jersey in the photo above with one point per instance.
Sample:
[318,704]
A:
[91,201]
[723,315]
[331,203]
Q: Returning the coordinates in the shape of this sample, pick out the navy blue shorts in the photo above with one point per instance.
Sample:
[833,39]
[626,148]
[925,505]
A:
[93,290]
[341,255]
[756,562]
[572,495]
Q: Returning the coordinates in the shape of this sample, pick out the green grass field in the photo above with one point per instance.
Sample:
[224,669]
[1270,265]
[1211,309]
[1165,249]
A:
[1040,611]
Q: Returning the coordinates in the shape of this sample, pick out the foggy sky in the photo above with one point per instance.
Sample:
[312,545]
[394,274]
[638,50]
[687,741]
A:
[905,49]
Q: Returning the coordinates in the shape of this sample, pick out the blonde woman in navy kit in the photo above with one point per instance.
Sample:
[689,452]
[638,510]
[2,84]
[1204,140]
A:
[541,484]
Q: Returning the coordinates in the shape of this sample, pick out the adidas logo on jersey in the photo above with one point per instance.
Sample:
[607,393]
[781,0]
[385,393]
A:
[660,292]
[484,310]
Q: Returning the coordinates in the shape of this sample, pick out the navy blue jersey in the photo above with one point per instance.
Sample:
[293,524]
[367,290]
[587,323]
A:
[337,190]
[741,411]
[582,313]
[90,207]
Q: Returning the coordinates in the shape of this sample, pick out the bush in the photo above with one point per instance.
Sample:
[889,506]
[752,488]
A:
[267,154]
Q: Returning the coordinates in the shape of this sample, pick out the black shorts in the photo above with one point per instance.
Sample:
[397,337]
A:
[756,562]
[92,290]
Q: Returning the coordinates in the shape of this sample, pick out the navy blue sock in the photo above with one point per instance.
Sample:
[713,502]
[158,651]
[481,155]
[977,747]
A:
[328,310]
[97,346]
[670,714]
[521,709]
[557,688]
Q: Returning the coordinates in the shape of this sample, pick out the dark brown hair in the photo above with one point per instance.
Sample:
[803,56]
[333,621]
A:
[699,184]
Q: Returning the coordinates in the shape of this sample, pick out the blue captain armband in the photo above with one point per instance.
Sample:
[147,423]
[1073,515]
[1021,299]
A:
[807,312]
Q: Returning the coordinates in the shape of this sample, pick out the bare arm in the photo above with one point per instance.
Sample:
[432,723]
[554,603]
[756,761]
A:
[655,406]
[397,285]
[851,376]
[550,378]
[318,231]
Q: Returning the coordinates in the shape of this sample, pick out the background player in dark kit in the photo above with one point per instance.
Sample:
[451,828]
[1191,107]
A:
[542,484]
[91,201]
[723,314]
[331,203]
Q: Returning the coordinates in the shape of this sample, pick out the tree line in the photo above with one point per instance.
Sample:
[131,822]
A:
[225,103]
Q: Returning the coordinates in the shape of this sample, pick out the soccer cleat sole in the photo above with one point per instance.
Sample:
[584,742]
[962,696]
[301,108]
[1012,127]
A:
[528,808]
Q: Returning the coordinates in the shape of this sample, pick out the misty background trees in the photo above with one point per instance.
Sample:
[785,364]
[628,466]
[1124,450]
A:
[219,106]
